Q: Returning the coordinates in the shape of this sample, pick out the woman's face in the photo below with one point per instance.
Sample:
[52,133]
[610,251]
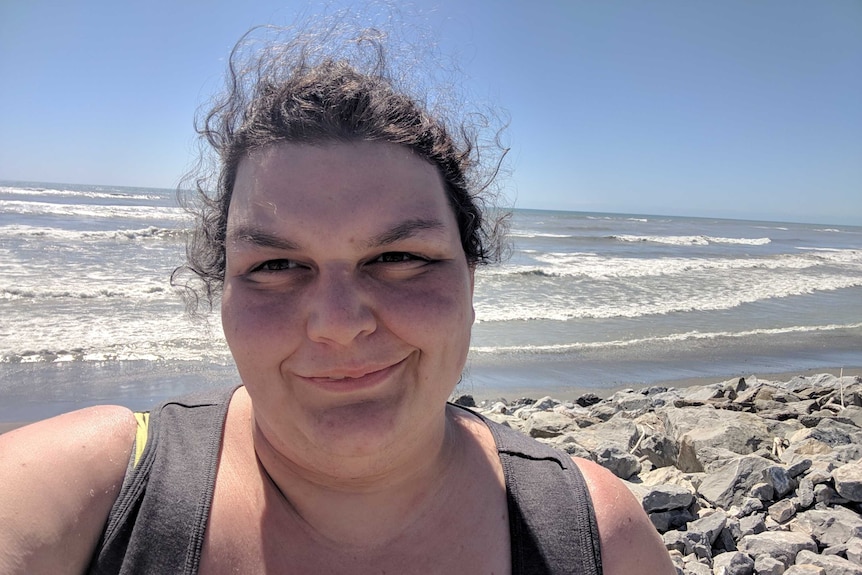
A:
[347,299]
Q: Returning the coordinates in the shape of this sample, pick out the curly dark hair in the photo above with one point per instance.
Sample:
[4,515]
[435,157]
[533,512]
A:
[307,91]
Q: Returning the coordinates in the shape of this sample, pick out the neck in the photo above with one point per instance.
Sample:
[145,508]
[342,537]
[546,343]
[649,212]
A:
[366,502]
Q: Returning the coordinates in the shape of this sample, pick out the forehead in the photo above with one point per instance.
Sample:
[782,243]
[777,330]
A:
[343,182]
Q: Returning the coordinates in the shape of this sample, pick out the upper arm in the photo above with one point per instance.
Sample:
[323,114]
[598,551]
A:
[59,479]
[629,541]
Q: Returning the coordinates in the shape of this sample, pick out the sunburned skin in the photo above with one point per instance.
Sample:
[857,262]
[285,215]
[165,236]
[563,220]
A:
[328,285]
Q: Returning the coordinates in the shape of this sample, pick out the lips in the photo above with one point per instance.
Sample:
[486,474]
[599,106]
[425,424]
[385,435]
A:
[340,380]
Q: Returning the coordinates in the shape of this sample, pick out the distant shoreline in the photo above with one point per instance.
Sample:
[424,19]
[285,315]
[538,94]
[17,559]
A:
[8,422]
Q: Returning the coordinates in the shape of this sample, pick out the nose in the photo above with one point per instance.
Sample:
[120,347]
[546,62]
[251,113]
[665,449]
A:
[338,310]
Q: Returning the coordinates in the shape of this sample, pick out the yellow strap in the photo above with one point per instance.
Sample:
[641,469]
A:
[143,419]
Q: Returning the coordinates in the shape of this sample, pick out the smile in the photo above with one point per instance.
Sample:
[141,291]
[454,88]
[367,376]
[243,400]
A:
[354,379]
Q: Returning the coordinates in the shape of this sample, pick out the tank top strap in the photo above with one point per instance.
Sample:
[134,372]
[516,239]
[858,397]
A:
[552,521]
[165,499]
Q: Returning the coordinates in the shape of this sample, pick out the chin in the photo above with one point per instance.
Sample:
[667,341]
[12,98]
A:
[362,428]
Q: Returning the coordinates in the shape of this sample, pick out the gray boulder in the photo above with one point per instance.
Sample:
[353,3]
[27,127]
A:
[666,497]
[829,527]
[833,564]
[709,526]
[854,551]
[621,463]
[781,545]
[730,484]
[782,511]
[805,570]
[616,431]
[698,428]
[848,481]
[766,565]
[549,424]
[732,563]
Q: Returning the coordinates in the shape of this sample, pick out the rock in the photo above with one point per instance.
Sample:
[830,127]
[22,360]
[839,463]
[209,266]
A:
[729,484]
[726,542]
[762,491]
[709,526]
[569,444]
[548,424]
[630,401]
[748,506]
[805,570]
[779,479]
[832,564]
[621,463]
[853,414]
[465,400]
[673,519]
[826,495]
[848,481]
[830,432]
[831,527]
[782,511]
[588,399]
[799,468]
[766,565]
[616,431]
[675,541]
[667,497]
[733,563]
[659,449]
[731,489]
[805,493]
[699,428]
[498,407]
[545,404]
[751,525]
[854,551]
[696,568]
[781,545]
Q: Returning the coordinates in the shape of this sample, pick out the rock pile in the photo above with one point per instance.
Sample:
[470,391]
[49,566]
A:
[740,477]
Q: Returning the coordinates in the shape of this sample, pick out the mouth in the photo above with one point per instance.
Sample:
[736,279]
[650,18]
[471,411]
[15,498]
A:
[353,379]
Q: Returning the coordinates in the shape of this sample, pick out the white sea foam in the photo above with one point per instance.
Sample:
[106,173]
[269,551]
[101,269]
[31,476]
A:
[592,265]
[92,211]
[137,291]
[672,338]
[64,193]
[151,232]
[532,234]
[691,240]
[637,300]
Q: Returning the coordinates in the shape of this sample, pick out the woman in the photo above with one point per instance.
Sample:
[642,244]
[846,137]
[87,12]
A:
[342,241]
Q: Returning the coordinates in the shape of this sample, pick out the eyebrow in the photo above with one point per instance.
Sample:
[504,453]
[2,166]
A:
[407,229]
[260,238]
[403,231]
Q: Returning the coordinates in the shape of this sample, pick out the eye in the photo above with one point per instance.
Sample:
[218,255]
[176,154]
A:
[276,266]
[397,258]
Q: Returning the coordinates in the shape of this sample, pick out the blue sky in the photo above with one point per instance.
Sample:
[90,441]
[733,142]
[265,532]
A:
[744,109]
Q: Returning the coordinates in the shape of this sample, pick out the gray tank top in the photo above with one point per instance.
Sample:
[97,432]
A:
[157,524]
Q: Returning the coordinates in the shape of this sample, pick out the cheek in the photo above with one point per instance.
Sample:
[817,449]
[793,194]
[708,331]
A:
[431,307]
[252,324]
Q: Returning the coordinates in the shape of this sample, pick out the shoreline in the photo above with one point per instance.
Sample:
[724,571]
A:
[175,382]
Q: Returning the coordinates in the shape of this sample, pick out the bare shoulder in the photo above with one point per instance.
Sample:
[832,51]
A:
[630,543]
[59,479]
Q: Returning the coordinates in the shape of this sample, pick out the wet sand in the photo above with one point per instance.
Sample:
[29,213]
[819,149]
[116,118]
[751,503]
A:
[33,392]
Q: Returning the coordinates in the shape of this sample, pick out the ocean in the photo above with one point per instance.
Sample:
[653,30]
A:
[586,302]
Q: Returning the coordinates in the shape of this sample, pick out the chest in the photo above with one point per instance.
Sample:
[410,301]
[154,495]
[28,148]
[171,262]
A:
[469,541]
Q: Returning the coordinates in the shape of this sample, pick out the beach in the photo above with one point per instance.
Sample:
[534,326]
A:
[747,475]
[756,474]
[587,303]
[35,391]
